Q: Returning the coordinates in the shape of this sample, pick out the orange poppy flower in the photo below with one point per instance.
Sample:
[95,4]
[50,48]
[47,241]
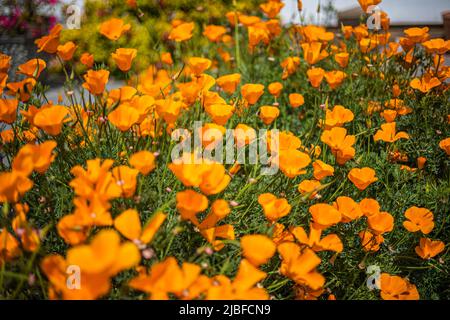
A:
[114,28]
[296,100]
[214,33]
[198,65]
[289,65]
[125,179]
[315,76]
[95,181]
[144,161]
[342,59]
[252,92]
[417,35]
[428,248]
[124,57]
[257,248]
[22,89]
[242,287]
[300,266]
[335,78]
[309,187]
[275,88]
[348,208]
[8,110]
[105,257]
[369,207]
[50,42]
[32,68]
[271,8]
[425,84]
[389,115]
[166,277]
[166,58]
[388,133]
[324,215]
[437,46]
[51,119]
[274,208]
[338,117]
[9,246]
[215,179]
[182,32]
[124,117]
[229,82]
[445,145]
[421,162]
[381,222]
[169,108]
[363,177]
[419,219]
[72,229]
[396,288]
[87,59]
[66,51]
[257,33]
[13,185]
[268,114]
[190,203]
[7,136]
[367,3]
[36,157]
[292,162]
[330,242]
[95,81]
[370,241]
[322,170]
[313,53]
[219,210]
[128,224]
[340,143]
[244,135]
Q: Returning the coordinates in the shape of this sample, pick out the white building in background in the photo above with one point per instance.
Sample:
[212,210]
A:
[401,12]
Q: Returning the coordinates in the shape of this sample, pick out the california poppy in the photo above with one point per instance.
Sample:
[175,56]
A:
[66,51]
[397,288]
[274,208]
[229,83]
[324,215]
[268,114]
[123,117]
[428,248]
[214,33]
[296,100]
[182,32]
[114,28]
[128,224]
[51,119]
[300,266]
[340,143]
[419,219]
[95,81]
[257,248]
[144,161]
[8,110]
[32,68]
[363,177]
[252,92]
[322,170]
[124,57]
[50,42]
